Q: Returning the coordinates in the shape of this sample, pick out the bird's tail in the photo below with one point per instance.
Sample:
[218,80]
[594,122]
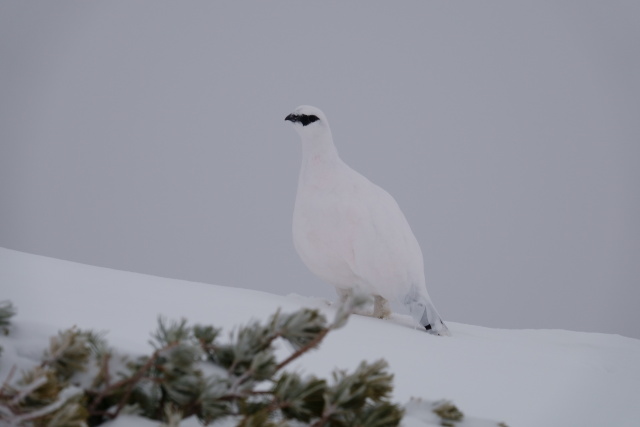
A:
[424,312]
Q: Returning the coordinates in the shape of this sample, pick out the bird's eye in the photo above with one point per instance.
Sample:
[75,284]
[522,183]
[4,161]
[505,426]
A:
[307,119]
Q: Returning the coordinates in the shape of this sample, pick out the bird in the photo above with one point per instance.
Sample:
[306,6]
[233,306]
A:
[351,233]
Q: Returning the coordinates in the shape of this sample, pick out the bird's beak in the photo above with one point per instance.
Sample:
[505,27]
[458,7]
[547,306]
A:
[292,118]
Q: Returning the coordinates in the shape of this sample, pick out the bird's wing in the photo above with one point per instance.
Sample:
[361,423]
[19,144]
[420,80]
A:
[386,253]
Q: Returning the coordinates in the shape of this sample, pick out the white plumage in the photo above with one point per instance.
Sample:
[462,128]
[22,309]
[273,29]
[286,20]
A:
[350,232]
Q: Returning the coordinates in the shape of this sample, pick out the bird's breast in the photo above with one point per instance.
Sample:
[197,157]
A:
[323,235]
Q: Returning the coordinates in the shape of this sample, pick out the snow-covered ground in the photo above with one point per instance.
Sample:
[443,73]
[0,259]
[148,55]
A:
[522,377]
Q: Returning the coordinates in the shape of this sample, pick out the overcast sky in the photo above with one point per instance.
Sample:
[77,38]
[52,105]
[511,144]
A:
[149,136]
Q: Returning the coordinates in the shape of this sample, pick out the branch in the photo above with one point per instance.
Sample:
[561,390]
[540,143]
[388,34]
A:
[128,382]
[6,382]
[37,383]
[326,414]
[311,344]
[64,396]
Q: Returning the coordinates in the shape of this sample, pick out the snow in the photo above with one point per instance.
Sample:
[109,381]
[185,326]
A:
[522,377]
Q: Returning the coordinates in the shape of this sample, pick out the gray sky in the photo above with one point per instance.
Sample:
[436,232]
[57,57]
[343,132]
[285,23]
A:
[150,137]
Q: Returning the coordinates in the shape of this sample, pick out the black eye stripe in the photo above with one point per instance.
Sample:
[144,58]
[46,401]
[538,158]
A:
[305,119]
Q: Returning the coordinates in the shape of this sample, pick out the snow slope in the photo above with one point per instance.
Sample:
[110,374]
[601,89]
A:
[522,377]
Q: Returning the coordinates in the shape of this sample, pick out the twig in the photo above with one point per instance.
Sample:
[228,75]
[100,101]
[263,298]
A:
[139,375]
[37,383]
[105,368]
[8,379]
[64,344]
[311,344]
[63,397]
[325,416]
[128,382]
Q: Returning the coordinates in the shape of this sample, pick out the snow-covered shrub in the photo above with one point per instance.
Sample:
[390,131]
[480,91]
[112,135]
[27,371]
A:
[193,373]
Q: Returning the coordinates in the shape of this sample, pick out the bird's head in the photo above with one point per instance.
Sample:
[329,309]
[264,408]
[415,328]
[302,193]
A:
[309,122]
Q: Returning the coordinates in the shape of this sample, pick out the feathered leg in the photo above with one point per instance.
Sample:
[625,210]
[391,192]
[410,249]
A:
[381,308]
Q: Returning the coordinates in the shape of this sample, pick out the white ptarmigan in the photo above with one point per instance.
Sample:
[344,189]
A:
[352,233]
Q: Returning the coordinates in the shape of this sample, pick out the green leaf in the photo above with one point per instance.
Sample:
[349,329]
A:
[448,411]
[299,398]
[69,352]
[301,327]
[170,332]
[206,335]
[379,415]
[7,311]
[263,365]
